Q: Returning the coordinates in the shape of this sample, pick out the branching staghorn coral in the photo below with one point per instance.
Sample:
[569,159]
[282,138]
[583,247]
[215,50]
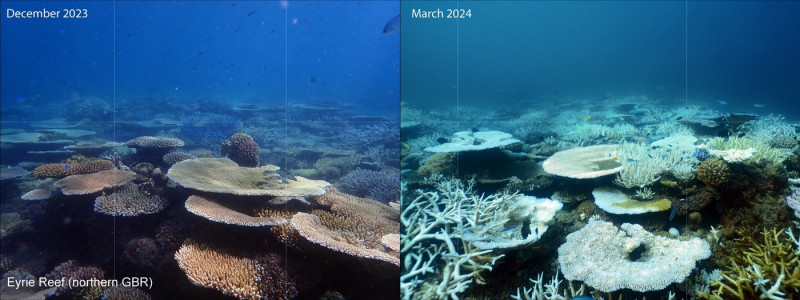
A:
[437,262]
[768,269]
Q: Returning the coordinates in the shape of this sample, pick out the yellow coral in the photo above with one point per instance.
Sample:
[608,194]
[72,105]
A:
[768,267]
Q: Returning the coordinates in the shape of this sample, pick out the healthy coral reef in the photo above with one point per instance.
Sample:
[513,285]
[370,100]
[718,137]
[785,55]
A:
[760,267]
[242,149]
[382,186]
[714,172]
[222,175]
[243,276]
[129,200]
[94,182]
[65,169]
[343,226]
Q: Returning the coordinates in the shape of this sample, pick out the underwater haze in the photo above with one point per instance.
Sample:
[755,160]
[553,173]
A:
[537,53]
[199,150]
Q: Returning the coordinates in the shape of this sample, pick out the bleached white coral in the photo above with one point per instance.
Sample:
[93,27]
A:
[606,264]
[474,141]
[517,222]
[733,155]
[643,165]
[437,262]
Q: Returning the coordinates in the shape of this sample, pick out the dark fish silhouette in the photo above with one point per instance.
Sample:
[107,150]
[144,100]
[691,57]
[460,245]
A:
[441,140]
[392,26]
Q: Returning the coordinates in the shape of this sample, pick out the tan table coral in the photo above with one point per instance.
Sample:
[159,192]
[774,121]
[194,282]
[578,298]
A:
[222,175]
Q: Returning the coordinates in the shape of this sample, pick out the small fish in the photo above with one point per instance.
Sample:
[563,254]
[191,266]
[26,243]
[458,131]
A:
[66,167]
[615,158]
[672,214]
[669,150]
[536,231]
[507,229]
[475,129]
[586,118]
[476,142]
[441,140]
[650,156]
[631,160]
[758,105]
[723,102]
[679,118]
[392,26]
[582,297]
[598,138]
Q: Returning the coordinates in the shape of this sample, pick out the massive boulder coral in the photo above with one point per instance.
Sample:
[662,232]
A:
[608,264]
[242,149]
[222,175]
[714,172]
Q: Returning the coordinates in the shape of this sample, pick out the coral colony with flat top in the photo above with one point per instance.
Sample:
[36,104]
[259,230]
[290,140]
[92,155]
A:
[628,200]
[201,206]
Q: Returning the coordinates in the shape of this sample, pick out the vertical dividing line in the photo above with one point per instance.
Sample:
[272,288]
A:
[114,115]
[458,104]
[286,121]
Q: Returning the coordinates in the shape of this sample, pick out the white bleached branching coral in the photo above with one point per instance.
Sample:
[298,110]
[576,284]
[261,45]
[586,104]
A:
[437,261]
[643,165]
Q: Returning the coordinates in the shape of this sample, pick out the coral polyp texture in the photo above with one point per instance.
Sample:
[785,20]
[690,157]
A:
[242,149]
[259,277]
[607,265]
[176,157]
[128,201]
[93,182]
[205,207]
[474,141]
[714,172]
[65,169]
[154,142]
[584,162]
[222,175]
[332,237]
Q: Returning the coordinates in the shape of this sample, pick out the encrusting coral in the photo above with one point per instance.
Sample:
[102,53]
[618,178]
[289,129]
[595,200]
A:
[761,269]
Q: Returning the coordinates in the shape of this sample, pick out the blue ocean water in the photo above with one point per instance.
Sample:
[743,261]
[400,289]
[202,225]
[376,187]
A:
[599,149]
[120,93]
[540,52]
